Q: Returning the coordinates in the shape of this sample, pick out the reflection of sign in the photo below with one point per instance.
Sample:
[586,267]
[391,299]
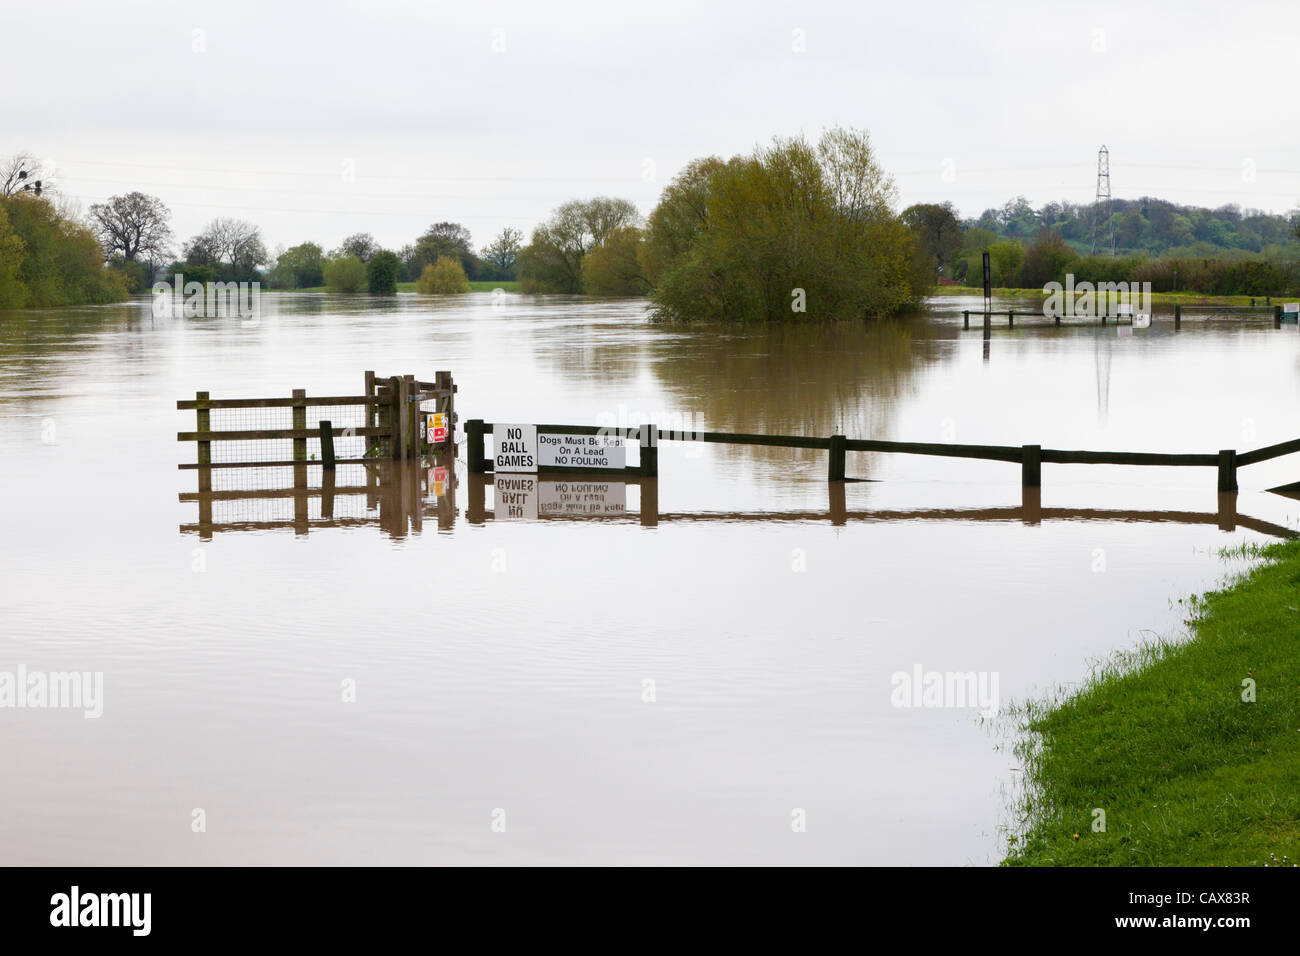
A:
[1123,309]
[438,481]
[436,428]
[581,451]
[1124,331]
[514,447]
[516,496]
[582,498]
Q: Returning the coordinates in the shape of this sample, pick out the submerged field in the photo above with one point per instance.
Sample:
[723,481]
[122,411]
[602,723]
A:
[1190,750]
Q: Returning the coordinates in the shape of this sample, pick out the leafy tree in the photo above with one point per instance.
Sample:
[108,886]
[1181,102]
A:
[381,273]
[13,293]
[503,252]
[299,267]
[345,274]
[1005,258]
[552,261]
[362,245]
[614,268]
[445,277]
[1047,259]
[793,231]
[937,229]
[60,262]
[134,225]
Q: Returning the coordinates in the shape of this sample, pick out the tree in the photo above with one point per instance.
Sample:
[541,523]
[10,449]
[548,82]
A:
[441,239]
[345,274]
[1046,259]
[135,225]
[552,261]
[23,172]
[503,252]
[362,245]
[614,268]
[381,273]
[233,241]
[445,277]
[1005,258]
[936,228]
[299,267]
[793,231]
[60,262]
[13,292]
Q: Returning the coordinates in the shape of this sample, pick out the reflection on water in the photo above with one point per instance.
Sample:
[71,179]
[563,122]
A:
[501,641]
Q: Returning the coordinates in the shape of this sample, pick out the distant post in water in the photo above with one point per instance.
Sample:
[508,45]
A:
[649,451]
[839,445]
[988,285]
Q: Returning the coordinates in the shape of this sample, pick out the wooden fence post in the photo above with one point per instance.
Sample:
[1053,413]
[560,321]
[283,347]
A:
[1178,317]
[327,445]
[1011,318]
[401,422]
[649,451]
[203,416]
[1277,316]
[835,469]
[412,419]
[1031,466]
[965,319]
[474,446]
[1227,470]
[300,423]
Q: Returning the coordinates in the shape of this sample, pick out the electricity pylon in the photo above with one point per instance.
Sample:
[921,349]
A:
[1102,204]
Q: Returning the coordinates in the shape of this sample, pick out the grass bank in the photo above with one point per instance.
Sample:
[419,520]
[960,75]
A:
[1165,298]
[1163,740]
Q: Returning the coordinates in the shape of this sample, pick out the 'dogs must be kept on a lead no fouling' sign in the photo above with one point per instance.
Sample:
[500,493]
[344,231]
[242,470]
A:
[519,448]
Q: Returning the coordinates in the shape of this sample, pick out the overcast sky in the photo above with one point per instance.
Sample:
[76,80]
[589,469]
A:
[317,120]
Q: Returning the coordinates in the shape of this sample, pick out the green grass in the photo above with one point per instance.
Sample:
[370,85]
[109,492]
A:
[1188,773]
[410,287]
[1166,298]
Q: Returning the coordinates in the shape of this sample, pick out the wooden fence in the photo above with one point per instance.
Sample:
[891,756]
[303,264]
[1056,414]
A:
[388,411]
[1031,458]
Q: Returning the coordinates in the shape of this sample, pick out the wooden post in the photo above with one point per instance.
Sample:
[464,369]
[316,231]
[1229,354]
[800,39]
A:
[401,421]
[372,411]
[1227,470]
[203,416]
[327,490]
[649,502]
[475,458]
[476,497]
[1178,317]
[327,445]
[835,469]
[838,508]
[300,423]
[1011,318]
[1277,316]
[649,451]
[1031,505]
[965,319]
[412,419]
[1031,466]
[1227,513]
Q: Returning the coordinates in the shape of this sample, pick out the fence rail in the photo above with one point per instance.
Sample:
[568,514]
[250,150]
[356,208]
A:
[1029,457]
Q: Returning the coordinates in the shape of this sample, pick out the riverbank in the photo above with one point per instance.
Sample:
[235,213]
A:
[410,287]
[1166,742]
[1162,298]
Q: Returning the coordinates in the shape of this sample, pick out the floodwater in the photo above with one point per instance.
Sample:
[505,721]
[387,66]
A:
[393,678]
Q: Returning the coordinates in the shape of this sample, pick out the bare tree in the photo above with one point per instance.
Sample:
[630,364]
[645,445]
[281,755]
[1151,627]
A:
[134,225]
[236,241]
[23,172]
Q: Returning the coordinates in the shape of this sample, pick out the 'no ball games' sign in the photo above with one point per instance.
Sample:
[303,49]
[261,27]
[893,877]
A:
[514,447]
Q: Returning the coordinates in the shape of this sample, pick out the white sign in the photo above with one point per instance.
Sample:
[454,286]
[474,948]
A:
[583,498]
[1291,307]
[514,447]
[1142,320]
[581,451]
[516,497]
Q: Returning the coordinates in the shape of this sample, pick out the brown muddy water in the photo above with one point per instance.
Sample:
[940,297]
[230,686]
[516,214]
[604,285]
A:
[718,688]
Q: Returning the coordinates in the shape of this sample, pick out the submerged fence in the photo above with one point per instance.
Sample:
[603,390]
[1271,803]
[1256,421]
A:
[1031,458]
